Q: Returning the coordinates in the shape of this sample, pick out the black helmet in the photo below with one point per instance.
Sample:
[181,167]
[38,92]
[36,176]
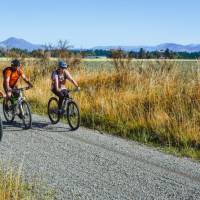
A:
[15,63]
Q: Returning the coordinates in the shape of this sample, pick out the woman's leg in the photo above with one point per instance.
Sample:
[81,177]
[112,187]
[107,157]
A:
[61,97]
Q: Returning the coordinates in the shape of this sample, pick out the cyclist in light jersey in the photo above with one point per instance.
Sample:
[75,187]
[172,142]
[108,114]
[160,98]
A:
[59,78]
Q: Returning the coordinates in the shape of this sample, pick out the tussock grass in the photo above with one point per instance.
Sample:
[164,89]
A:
[12,187]
[153,102]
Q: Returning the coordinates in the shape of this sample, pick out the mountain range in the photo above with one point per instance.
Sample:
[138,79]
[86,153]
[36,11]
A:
[13,42]
[19,43]
[161,47]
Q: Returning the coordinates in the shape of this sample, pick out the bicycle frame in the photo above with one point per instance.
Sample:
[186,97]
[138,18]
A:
[18,106]
[19,102]
[20,99]
[66,100]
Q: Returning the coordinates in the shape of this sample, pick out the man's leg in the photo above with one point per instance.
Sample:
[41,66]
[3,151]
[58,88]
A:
[8,96]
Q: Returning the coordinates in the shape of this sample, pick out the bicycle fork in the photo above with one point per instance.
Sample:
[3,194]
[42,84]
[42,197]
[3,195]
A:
[19,105]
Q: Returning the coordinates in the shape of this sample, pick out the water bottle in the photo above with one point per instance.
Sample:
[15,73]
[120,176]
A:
[14,100]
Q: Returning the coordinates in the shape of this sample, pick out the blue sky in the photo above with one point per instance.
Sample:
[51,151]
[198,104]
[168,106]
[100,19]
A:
[88,23]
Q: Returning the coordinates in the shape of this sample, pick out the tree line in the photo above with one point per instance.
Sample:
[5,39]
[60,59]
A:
[63,49]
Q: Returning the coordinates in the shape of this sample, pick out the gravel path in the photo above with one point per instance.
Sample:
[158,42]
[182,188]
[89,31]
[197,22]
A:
[88,165]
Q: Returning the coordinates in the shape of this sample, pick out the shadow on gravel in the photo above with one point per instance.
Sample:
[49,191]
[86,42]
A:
[38,126]
[47,126]
[9,126]
[57,129]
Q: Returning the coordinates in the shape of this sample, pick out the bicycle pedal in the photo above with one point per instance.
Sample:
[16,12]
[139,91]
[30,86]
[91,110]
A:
[20,115]
[61,112]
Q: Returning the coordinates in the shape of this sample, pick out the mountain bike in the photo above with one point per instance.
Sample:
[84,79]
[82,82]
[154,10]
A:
[18,106]
[69,111]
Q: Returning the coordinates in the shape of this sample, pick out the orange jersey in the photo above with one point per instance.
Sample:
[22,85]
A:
[14,76]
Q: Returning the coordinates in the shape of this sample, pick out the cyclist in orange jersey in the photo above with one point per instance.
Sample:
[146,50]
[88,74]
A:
[11,76]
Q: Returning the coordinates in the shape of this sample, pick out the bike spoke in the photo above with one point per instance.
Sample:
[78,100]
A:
[73,115]
[25,115]
[53,110]
[8,110]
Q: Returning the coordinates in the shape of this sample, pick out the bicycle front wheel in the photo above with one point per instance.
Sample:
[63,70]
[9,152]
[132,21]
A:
[25,115]
[73,115]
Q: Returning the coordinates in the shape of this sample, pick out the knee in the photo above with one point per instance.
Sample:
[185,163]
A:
[65,93]
[8,95]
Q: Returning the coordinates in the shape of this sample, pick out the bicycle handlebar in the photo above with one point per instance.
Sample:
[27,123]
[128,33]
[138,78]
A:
[74,90]
[21,89]
[2,95]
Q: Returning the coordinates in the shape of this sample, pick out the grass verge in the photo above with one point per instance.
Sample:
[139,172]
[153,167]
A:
[133,131]
[155,102]
[13,187]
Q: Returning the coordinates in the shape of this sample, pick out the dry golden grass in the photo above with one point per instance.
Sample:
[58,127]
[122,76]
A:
[158,101]
[13,186]
[10,187]
[165,103]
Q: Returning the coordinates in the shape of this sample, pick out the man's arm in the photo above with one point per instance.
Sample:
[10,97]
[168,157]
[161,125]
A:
[7,81]
[26,80]
[7,84]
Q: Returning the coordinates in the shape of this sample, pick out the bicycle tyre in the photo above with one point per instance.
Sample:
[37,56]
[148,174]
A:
[54,112]
[27,113]
[73,125]
[6,113]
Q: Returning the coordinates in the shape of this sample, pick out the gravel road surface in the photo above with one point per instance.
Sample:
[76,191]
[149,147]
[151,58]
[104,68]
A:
[88,165]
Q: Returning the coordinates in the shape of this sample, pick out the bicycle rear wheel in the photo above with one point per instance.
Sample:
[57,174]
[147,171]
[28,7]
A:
[25,115]
[8,110]
[73,115]
[53,110]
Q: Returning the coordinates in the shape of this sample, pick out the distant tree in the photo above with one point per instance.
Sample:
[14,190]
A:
[133,54]
[167,53]
[148,55]
[157,54]
[142,54]
[63,49]
[121,60]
